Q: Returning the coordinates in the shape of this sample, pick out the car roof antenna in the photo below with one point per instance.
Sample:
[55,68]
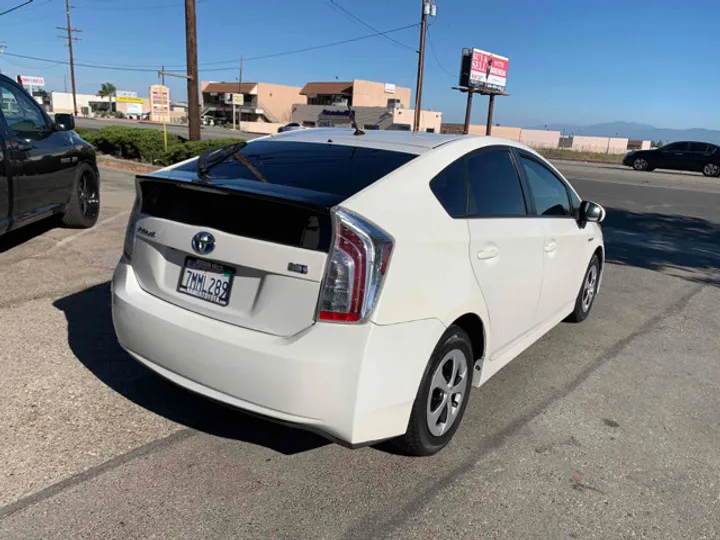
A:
[358,131]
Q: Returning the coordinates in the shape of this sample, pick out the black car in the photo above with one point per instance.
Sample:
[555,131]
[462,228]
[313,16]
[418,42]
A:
[680,156]
[45,167]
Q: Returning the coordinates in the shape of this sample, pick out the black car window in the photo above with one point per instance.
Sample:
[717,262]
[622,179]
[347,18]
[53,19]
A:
[494,185]
[676,147]
[21,113]
[548,191]
[327,168]
[449,188]
[698,147]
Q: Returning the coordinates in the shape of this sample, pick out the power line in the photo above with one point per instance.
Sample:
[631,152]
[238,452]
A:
[355,18]
[316,47]
[137,8]
[234,62]
[16,7]
[432,50]
[78,63]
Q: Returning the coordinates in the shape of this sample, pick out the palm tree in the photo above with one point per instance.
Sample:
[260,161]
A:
[107,90]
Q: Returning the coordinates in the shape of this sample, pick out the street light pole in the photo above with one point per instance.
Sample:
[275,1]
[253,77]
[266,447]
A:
[421,63]
[192,70]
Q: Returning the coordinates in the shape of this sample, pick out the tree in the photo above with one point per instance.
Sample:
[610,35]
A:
[107,90]
[658,144]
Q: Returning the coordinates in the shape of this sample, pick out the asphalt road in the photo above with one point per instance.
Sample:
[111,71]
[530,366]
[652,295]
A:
[207,132]
[609,429]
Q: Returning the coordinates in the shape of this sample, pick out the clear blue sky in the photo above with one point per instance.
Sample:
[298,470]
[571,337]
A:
[571,61]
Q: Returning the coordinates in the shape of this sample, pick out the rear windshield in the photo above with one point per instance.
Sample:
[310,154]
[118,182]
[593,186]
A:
[323,167]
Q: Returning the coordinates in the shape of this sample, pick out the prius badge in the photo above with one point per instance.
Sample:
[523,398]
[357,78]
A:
[203,243]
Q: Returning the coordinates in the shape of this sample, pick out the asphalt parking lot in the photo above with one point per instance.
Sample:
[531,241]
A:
[609,429]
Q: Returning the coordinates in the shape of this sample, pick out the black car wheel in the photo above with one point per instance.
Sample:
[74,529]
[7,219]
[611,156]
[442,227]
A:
[711,170]
[83,207]
[641,164]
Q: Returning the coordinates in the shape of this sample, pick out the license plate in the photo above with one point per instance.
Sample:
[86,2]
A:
[206,280]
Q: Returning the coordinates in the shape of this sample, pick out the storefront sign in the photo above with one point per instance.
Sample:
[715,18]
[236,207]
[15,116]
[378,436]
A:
[127,99]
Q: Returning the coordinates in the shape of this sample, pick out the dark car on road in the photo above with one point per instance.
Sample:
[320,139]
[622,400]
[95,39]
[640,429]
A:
[679,156]
[46,169]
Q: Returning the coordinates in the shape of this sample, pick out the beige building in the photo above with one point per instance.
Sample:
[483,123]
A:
[366,117]
[263,102]
[90,105]
[375,105]
[357,93]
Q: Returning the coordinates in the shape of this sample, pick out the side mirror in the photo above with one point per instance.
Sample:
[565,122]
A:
[591,212]
[65,122]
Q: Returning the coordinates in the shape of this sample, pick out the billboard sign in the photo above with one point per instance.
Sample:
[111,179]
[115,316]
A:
[483,69]
[123,93]
[28,80]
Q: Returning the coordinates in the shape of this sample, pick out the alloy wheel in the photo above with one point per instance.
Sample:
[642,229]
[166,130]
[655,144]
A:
[88,196]
[589,288]
[447,391]
[640,164]
[711,170]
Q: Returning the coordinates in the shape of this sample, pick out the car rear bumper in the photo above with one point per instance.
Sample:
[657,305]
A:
[355,383]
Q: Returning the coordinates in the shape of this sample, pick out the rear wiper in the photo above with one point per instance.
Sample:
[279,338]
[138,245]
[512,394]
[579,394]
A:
[209,158]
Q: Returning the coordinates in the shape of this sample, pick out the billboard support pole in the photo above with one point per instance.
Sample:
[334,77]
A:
[468,111]
[491,108]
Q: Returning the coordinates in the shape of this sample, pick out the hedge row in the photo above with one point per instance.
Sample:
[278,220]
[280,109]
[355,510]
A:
[147,145]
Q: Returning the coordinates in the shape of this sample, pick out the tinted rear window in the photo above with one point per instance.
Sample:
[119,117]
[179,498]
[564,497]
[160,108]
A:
[322,167]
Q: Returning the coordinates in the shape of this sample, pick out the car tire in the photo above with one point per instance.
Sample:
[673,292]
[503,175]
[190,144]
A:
[641,164]
[83,206]
[436,404]
[711,170]
[588,292]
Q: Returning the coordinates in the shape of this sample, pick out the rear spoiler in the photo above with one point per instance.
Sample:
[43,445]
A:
[303,198]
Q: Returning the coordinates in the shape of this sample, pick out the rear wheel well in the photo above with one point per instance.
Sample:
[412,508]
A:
[473,326]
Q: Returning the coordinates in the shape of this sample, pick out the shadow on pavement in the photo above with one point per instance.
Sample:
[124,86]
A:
[665,243]
[92,339]
[13,239]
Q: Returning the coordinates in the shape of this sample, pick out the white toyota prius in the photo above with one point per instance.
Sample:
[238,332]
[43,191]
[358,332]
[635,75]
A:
[354,284]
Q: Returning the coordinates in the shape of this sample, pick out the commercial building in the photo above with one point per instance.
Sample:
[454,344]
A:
[262,102]
[90,105]
[375,105]
[357,93]
[366,117]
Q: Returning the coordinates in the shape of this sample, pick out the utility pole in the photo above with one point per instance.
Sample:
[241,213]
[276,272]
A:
[70,30]
[192,70]
[468,111]
[239,120]
[427,9]
[166,117]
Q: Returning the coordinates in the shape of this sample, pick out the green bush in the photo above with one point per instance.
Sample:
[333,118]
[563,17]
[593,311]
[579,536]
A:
[147,145]
[84,133]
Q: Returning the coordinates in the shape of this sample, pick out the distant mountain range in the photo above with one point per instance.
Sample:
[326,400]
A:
[632,130]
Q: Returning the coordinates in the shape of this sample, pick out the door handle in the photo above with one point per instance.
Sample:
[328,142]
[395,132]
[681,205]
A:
[551,247]
[489,252]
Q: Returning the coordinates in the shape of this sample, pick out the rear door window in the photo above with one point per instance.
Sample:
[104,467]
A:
[494,185]
[698,147]
[327,168]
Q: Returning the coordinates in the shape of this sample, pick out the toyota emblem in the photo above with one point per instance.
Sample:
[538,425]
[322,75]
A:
[203,243]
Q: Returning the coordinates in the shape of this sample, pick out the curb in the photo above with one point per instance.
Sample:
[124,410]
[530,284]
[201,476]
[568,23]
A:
[126,164]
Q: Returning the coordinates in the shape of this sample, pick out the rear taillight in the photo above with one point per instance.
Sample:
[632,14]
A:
[357,264]
[130,230]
